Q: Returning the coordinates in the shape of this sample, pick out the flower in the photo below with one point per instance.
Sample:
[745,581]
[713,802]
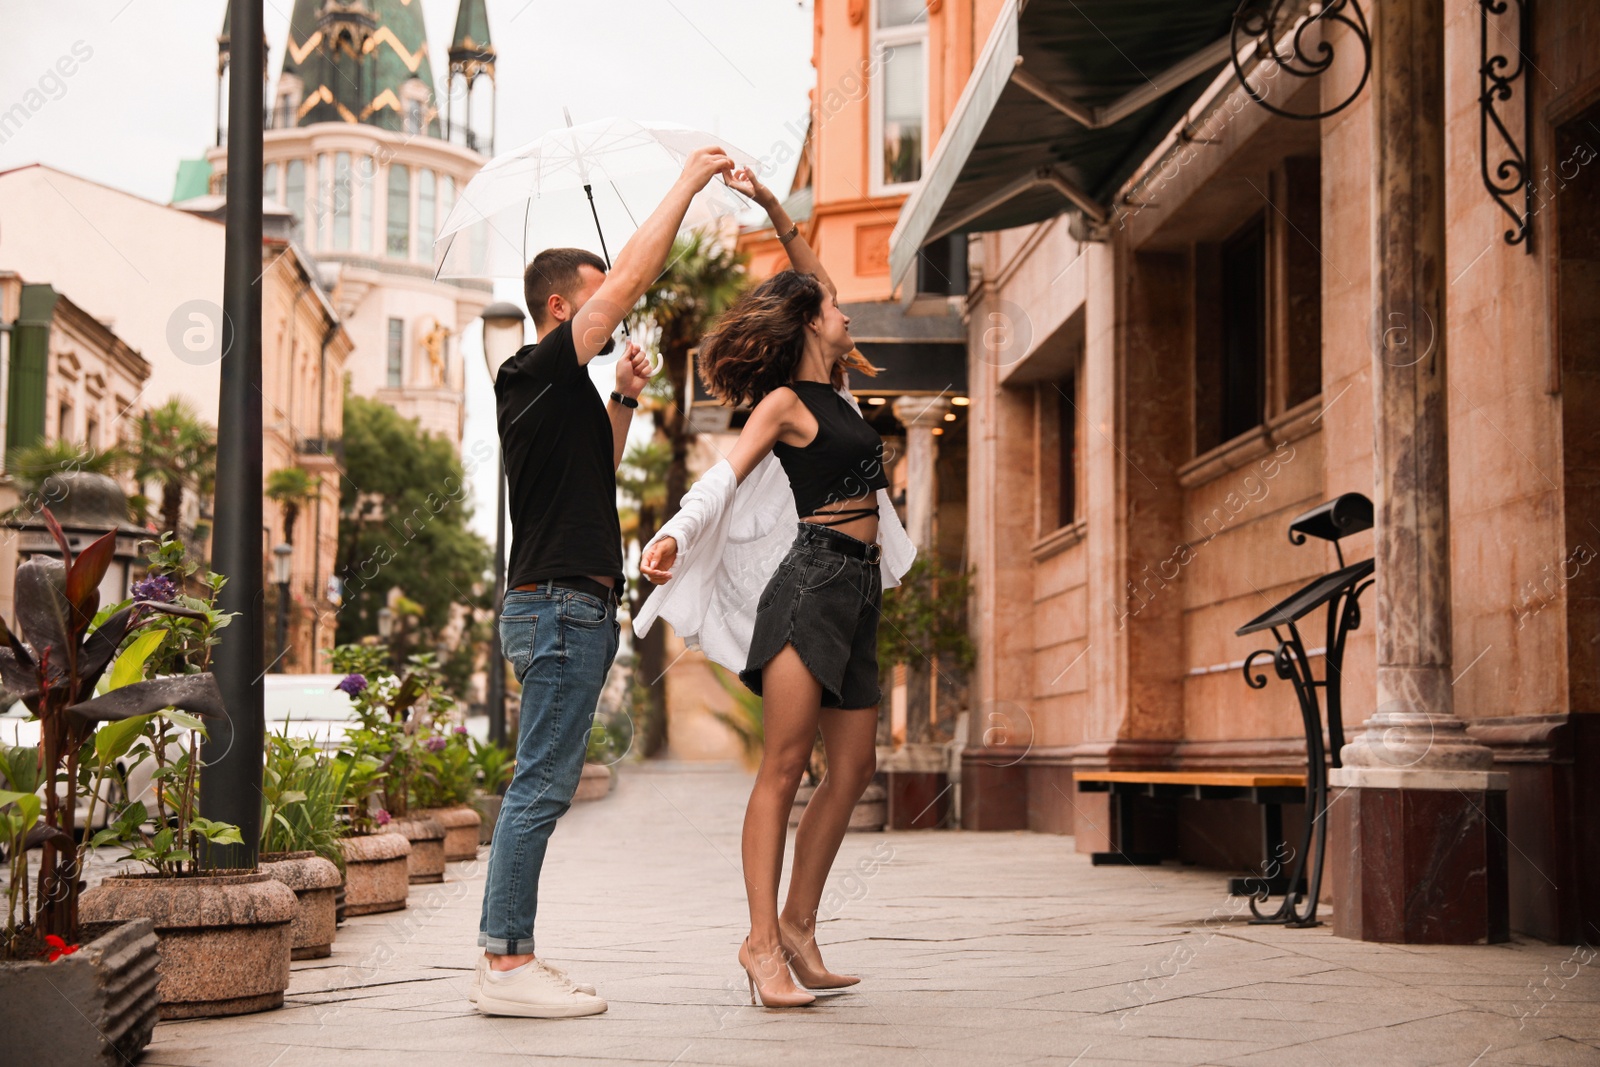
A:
[353,684]
[382,818]
[56,947]
[156,587]
[436,744]
[461,731]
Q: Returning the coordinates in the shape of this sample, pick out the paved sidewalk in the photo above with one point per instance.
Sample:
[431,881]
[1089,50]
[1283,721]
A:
[974,949]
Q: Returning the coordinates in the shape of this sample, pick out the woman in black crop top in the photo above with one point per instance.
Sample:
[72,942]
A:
[784,349]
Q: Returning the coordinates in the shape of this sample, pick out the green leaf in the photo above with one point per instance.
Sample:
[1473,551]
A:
[129,667]
[113,740]
[291,796]
[184,719]
[163,839]
[218,833]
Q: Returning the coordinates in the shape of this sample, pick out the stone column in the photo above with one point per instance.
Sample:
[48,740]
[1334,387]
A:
[920,415]
[1418,845]
[918,771]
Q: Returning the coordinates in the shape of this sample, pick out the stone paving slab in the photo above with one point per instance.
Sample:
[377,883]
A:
[974,949]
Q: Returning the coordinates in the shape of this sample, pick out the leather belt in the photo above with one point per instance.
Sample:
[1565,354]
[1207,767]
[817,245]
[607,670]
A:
[578,583]
[844,544]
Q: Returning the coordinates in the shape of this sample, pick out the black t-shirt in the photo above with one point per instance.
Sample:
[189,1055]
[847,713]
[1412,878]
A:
[561,485]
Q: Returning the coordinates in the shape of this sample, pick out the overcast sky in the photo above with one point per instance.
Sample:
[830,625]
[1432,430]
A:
[145,96]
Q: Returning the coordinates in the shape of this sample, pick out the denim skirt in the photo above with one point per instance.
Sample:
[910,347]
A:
[824,600]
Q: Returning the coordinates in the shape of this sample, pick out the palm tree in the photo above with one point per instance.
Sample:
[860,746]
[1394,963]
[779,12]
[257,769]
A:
[702,281]
[177,451]
[31,465]
[290,487]
[642,482]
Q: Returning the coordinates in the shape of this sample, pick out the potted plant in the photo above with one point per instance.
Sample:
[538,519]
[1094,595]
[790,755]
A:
[224,934]
[397,715]
[75,990]
[442,788]
[303,795]
[376,862]
[492,766]
[923,627]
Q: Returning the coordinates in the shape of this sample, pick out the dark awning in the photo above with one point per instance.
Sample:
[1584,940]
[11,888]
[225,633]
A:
[1066,99]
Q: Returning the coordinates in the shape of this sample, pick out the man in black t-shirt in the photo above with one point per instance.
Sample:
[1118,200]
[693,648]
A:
[558,627]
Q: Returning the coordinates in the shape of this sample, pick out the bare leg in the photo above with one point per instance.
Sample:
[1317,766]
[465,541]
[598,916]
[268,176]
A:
[792,699]
[850,737]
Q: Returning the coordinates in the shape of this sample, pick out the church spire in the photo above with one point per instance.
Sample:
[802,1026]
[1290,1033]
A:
[353,61]
[472,57]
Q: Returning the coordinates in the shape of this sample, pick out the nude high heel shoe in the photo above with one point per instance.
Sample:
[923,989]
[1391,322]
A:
[770,998]
[811,979]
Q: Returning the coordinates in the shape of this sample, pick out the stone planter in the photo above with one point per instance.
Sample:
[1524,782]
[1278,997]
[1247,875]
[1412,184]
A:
[375,873]
[488,807]
[315,882]
[460,824]
[869,814]
[595,783]
[426,861]
[97,1006]
[224,939]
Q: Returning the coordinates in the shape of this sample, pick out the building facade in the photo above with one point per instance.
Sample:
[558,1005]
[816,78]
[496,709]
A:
[1193,318]
[367,160]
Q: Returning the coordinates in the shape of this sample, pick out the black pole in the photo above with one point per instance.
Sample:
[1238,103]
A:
[497,662]
[230,782]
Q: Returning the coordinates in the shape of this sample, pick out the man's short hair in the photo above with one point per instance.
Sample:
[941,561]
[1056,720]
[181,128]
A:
[554,272]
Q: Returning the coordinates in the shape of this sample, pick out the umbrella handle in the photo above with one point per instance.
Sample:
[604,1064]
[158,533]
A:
[656,362]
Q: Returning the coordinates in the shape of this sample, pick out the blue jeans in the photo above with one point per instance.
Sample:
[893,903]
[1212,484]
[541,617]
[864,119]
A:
[561,644]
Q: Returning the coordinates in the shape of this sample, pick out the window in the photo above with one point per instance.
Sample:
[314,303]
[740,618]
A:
[341,201]
[1056,427]
[425,210]
[91,432]
[397,353]
[1257,312]
[64,420]
[447,198]
[367,193]
[899,93]
[269,183]
[295,194]
[399,211]
[321,204]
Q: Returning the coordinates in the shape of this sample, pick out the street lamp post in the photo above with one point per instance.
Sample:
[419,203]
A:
[230,788]
[282,565]
[502,336]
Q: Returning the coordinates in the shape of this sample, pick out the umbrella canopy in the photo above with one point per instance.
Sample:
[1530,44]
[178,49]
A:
[585,186]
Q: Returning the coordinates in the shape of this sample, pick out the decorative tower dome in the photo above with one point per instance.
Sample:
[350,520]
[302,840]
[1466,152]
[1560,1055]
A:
[472,58]
[357,61]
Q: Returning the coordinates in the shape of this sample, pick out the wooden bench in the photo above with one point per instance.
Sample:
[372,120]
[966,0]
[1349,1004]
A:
[1270,791]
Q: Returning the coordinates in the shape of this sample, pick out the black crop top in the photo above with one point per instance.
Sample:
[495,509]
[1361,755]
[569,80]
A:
[844,461]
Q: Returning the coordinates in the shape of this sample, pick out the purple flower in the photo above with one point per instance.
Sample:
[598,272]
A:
[382,817]
[436,744]
[461,731]
[155,587]
[353,685]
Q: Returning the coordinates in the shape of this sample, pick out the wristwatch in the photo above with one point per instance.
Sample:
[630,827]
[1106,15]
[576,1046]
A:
[625,401]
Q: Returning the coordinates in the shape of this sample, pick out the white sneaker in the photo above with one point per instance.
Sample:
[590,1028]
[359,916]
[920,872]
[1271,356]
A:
[483,967]
[534,991]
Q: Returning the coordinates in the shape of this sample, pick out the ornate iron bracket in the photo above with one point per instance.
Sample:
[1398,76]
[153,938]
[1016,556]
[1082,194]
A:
[1263,22]
[1507,171]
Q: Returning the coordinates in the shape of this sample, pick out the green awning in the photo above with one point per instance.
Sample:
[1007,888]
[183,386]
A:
[1067,97]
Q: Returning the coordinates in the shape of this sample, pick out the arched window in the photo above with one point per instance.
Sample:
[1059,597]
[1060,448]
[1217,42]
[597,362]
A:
[399,212]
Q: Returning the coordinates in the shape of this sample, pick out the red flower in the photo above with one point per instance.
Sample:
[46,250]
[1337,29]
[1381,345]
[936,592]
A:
[57,948]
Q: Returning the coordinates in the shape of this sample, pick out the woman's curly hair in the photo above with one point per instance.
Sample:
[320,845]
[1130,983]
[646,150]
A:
[757,343]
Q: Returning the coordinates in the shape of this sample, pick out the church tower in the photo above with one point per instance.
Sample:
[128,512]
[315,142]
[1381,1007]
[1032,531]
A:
[357,150]
[470,117]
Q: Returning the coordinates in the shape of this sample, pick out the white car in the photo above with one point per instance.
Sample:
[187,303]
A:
[18,727]
[310,706]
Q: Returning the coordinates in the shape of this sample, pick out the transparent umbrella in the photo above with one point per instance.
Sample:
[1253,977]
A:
[579,186]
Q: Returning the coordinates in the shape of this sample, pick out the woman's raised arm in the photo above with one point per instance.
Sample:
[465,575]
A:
[801,255]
